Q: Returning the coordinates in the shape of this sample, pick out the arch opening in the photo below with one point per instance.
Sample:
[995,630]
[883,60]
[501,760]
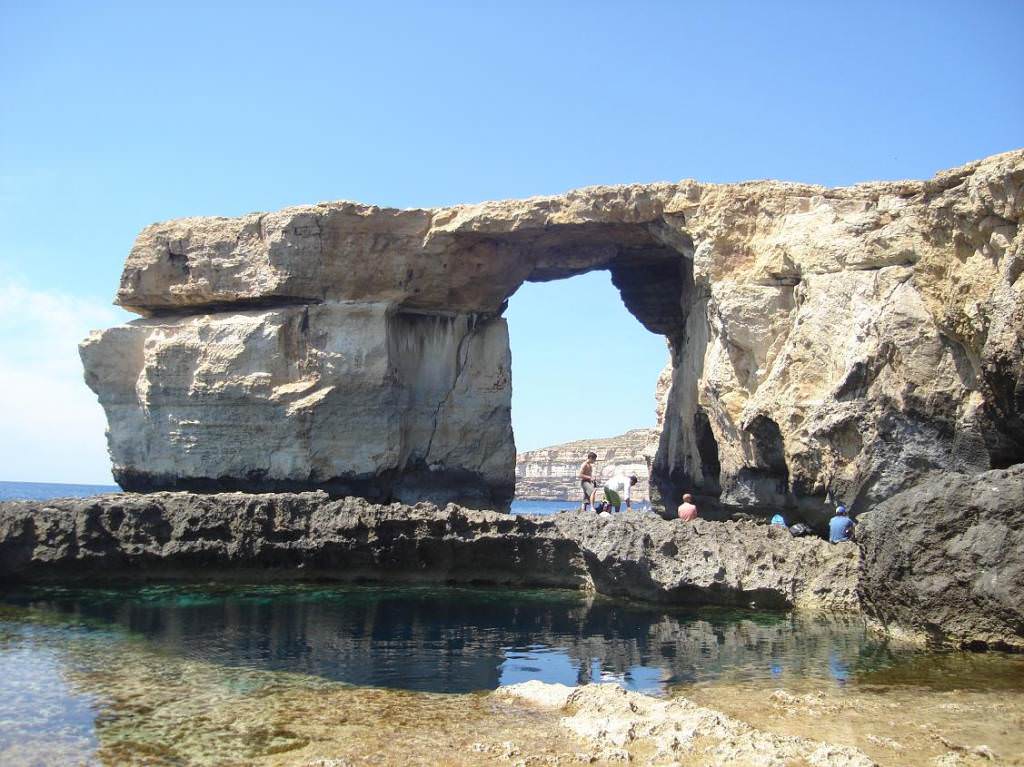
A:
[652,276]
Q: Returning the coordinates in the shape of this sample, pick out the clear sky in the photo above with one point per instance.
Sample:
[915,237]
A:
[115,115]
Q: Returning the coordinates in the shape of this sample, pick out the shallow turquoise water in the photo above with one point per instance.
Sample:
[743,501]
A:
[186,674]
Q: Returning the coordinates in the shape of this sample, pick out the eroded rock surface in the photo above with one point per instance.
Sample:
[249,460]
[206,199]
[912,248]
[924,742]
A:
[631,727]
[282,535]
[945,560]
[348,397]
[826,343]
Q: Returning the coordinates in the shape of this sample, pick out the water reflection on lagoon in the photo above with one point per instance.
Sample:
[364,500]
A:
[462,640]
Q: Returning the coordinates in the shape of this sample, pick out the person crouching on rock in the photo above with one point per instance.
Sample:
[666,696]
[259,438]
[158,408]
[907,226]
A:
[618,487]
[586,478]
[687,510]
[840,527]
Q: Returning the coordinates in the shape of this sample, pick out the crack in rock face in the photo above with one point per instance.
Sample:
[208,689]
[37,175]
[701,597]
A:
[825,344]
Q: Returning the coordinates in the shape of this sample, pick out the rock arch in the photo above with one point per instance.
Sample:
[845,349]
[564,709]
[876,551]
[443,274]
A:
[362,350]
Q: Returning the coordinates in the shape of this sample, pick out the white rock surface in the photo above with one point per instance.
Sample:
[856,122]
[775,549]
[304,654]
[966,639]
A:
[348,396]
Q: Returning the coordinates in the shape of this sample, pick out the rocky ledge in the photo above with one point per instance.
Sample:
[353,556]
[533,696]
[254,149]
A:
[307,535]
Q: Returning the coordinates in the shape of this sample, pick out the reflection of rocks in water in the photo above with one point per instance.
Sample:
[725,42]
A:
[457,640]
[150,706]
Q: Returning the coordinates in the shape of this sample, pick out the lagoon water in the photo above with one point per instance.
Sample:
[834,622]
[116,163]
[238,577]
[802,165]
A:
[448,640]
[276,674]
[291,673]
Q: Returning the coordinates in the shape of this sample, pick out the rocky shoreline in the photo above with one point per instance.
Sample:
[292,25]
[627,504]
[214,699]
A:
[941,563]
[308,535]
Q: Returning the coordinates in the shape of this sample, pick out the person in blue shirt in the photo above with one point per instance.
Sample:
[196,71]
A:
[840,527]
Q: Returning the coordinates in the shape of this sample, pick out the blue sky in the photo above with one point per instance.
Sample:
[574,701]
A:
[113,116]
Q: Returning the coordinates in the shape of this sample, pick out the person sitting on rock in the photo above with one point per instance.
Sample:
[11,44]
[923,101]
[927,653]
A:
[618,487]
[586,478]
[840,527]
[687,509]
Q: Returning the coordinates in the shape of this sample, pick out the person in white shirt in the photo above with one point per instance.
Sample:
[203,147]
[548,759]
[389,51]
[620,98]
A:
[618,488]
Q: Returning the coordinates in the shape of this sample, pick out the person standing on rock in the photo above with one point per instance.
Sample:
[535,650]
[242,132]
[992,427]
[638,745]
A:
[840,527]
[618,487]
[687,509]
[586,478]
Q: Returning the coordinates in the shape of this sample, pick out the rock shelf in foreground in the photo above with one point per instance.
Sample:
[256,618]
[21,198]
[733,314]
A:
[630,727]
[307,535]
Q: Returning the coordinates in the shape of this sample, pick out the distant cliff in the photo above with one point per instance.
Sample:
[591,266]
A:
[549,473]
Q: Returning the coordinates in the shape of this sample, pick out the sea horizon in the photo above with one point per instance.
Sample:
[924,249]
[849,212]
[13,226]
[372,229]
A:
[46,491]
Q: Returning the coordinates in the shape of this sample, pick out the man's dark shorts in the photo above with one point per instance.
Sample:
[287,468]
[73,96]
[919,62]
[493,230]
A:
[588,488]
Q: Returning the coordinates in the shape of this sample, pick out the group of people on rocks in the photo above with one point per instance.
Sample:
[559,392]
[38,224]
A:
[619,487]
[840,527]
[618,490]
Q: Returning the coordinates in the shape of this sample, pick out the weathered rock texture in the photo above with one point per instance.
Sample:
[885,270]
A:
[549,473]
[825,342]
[631,727]
[945,560]
[350,397]
[166,535]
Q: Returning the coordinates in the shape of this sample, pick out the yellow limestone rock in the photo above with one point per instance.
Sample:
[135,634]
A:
[826,344]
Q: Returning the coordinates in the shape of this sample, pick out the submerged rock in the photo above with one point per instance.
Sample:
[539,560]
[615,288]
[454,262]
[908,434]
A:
[945,560]
[307,535]
[631,727]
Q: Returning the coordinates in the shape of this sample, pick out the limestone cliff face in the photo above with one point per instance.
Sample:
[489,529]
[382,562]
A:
[826,343]
[347,396]
[549,473]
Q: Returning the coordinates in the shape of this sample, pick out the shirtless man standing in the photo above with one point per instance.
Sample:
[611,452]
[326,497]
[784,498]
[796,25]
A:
[586,478]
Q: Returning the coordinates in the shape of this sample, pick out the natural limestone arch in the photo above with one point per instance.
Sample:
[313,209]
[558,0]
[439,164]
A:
[825,343]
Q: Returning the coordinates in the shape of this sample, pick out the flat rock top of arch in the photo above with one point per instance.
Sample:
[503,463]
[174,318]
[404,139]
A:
[473,257]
